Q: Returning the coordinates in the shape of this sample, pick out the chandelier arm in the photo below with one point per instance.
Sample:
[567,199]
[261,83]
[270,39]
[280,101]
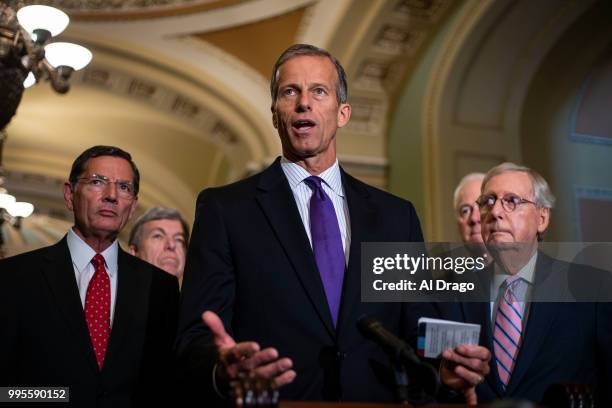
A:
[59,78]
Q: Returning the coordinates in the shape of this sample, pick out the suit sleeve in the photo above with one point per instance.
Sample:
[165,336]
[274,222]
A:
[208,284]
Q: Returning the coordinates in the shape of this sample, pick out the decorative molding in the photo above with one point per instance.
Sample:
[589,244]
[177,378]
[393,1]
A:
[163,98]
[35,232]
[593,192]
[399,36]
[390,49]
[320,21]
[44,191]
[117,5]
[172,25]
[367,116]
[591,139]
[92,10]
[424,10]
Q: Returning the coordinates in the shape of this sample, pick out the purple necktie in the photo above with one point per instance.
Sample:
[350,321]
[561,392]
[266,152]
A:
[326,244]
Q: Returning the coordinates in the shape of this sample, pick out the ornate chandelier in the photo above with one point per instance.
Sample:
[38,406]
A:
[25,52]
[27,57]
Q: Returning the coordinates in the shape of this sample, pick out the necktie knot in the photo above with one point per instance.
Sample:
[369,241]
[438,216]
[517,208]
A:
[98,262]
[313,182]
[511,286]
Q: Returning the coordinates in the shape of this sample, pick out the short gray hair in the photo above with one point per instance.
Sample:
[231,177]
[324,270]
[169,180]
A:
[542,195]
[466,179]
[297,50]
[156,213]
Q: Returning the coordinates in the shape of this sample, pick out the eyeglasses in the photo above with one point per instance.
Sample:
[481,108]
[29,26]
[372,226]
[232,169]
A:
[99,183]
[465,211]
[509,202]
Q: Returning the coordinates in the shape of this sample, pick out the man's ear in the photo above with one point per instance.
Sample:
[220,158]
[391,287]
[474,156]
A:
[344,114]
[543,219]
[274,119]
[68,195]
[132,250]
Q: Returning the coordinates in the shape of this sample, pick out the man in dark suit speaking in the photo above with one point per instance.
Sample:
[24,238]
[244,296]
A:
[275,259]
[83,313]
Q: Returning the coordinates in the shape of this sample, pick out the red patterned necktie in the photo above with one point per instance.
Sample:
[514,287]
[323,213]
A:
[97,309]
[507,334]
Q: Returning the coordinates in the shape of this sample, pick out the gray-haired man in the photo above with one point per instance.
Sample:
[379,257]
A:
[535,342]
[160,237]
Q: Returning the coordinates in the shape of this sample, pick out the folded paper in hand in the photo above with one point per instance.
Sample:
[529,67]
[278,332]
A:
[437,335]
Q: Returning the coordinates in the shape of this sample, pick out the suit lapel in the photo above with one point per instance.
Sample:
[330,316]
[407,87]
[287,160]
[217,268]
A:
[131,308]
[278,204]
[540,318]
[362,219]
[59,273]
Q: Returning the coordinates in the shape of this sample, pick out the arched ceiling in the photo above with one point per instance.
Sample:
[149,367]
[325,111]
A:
[96,10]
[476,88]
[183,85]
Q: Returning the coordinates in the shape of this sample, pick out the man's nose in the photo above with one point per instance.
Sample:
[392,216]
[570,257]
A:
[497,211]
[110,192]
[170,244]
[303,102]
[475,215]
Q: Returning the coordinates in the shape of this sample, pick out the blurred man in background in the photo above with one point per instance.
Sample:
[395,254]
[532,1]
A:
[160,237]
[466,209]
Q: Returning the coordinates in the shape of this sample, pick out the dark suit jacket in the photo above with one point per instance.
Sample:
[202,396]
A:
[45,340]
[250,261]
[563,342]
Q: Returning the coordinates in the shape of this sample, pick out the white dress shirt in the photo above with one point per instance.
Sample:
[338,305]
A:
[521,289]
[332,185]
[81,255]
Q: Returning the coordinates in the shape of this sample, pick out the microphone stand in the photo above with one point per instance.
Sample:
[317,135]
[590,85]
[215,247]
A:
[411,391]
[401,381]
[416,382]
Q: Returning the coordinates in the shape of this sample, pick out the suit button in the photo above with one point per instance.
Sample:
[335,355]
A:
[341,355]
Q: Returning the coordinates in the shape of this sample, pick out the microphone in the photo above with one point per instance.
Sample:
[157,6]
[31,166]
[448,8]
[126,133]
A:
[418,371]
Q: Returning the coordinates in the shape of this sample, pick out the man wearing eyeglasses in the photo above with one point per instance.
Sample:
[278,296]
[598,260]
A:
[83,313]
[534,343]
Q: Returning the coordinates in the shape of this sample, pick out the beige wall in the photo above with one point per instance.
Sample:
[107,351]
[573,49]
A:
[562,113]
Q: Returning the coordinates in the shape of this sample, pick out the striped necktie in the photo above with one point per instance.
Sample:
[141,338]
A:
[507,332]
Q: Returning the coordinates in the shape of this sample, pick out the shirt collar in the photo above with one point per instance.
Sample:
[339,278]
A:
[526,273]
[296,174]
[82,254]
